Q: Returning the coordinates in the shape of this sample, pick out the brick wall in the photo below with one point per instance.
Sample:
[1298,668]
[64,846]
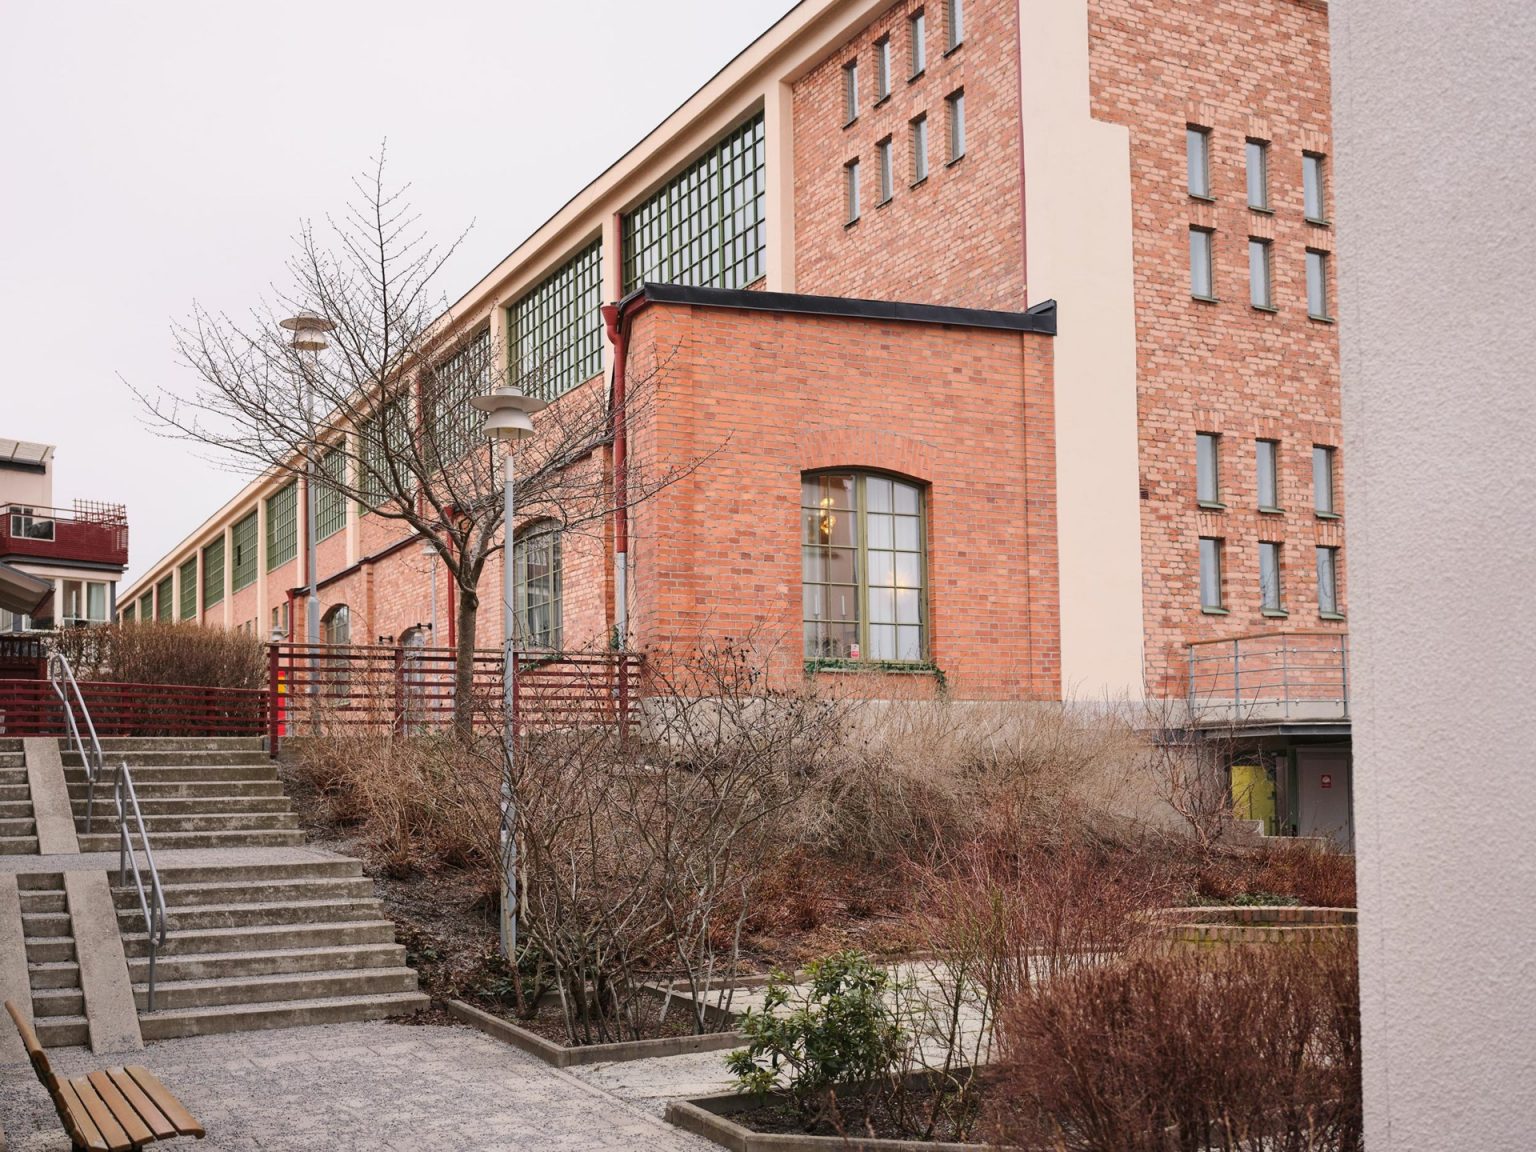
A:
[957,237]
[755,399]
[1244,68]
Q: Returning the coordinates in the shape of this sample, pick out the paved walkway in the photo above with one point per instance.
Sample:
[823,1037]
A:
[364,1086]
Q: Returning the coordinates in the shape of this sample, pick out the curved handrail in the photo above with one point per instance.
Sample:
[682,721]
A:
[61,677]
[152,904]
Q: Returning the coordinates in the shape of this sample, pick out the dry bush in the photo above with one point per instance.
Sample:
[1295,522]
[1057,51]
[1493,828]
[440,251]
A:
[1308,871]
[162,653]
[1254,1049]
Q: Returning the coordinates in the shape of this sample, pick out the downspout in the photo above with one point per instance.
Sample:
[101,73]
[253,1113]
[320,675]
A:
[618,337]
[1018,45]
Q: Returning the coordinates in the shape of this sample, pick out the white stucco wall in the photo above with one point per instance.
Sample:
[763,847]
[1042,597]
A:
[1435,135]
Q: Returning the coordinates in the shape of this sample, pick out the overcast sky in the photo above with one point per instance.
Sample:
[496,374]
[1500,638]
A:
[157,153]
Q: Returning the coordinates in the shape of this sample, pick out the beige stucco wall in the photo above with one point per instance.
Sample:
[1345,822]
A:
[1077,197]
[1434,119]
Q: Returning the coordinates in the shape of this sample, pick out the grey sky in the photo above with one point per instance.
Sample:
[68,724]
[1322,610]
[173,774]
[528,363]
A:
[156,153]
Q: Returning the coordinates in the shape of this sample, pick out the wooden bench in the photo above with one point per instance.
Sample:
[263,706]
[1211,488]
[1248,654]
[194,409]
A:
[117,1110]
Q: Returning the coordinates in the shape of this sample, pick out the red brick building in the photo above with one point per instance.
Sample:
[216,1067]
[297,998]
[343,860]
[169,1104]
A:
[1138,498]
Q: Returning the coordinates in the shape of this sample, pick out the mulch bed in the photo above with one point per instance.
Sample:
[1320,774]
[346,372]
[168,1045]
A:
[549,1022]
[878,1118]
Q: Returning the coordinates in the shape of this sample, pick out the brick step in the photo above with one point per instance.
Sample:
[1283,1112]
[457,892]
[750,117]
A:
[18,846]
[241,838]
[249,1017]
[43,900]
[46,924]
[58,1002]
[110,760]
[183,789]
[289,987]
[50,950]
[55,974]
[255,891]
[191,805]
[189,918]
[320,868]
[268,962]
[174,773]
[260,938]
[62,1032]
[197,822]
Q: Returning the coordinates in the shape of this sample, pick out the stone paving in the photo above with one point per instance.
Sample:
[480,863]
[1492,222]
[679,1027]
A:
[425,1088]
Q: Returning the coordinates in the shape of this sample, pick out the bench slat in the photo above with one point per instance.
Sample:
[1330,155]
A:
[173,1108]
[152,1116]
[111,1131]
[76,1119]
[122,1111]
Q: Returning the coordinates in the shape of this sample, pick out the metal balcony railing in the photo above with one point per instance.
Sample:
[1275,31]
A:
[89,532]
[1269,678]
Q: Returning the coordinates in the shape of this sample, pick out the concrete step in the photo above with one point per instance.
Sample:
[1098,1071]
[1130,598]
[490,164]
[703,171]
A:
[135,760]
[255,891]
[260,938]
[190,918]
[183,789]
[13,777]
[10,793]
[62,1032]
[14,809]
[178,743]
[50,950]
[247,838]
[40,881]
[268,962]
[56,974]
[322,867]
[196,822]
[248,1017]
[58,1002]
[11,828]
[46,924]
[44,900]
[171,995]
[18,846]
[175,773]
[189,805]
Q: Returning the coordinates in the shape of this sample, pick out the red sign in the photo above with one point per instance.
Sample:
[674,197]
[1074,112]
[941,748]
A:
[1327,780]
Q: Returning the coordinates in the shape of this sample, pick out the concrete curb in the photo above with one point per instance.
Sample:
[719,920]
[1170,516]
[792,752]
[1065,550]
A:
[559,1056]
[109,1006]
[706,1116]
[15,981]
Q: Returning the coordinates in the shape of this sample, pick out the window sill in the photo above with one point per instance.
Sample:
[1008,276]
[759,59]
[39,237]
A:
[847,124]
[952,49]
[852,222]
[879,204]
[1330,615]
[1209,611]
[916,76]
[1260,210]
[954,160]
[1320,319]
[1198,299]
[1270,308]
[918,183]
[1274,613]
[897,667]
[1271,511]
[1202,197]
[1210,505]
[1317,223]
[1327,515]
[883,100]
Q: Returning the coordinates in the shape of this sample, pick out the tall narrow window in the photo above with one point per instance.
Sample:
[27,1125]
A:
[282,526]
[330,504]
[536,586]
[863,568]
[850,91]
[851,184]
[1208,469]
[1202,275]
[919,149]
[242,538]
[956,104]
[1317,284]
[554,337]
[96,598]
[1260,275]
[165,608]
[917,25]
[147,607]
[1322,481]
[882,69]
[954,23]
[887,176]
[1268,460]
[1328,582]
[213,573]
[186,580]
[1210,574]
[1258,175]
[1197,161]
[1312,186]
[1269,579]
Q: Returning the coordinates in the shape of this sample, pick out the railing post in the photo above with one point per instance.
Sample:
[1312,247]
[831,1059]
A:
[1237,680]
[1285,673]
[272,701]
[623,698]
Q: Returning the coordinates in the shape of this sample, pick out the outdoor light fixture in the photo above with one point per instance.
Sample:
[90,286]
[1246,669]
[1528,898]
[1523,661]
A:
[309,331]
[309,339]
[509,414]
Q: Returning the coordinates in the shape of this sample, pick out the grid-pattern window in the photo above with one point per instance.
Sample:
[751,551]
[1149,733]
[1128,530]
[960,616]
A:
[1270,596]
[917,58]
[382,438]
[186,578]
[1312,176]
[242,540]
[706,227]
[851,189]
[1258,174]
[1202,276]
[1208,468]
[147,607]
[1210,574]
[536,586]
[336,626]
[955,103]
[282,526]
[850,92]
[1197,161]
[330,503]
[165,605]
[920,149]
[450,386]
[882,68]
[1328,582]
[6,618]
[1267,462]
[954,23]
[213,573]
[1322,480]
[884,154]
[1260,274]
[1317,284]
[862,549]
[555,332]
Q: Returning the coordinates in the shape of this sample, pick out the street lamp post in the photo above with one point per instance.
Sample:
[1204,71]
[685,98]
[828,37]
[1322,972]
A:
[309,331]
[508,418]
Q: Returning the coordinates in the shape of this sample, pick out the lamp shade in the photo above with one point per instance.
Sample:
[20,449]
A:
[309,329]
[509,413]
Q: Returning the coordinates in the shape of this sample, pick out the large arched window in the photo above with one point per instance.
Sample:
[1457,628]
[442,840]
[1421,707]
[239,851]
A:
[863,567]
[536,586]
[336,626]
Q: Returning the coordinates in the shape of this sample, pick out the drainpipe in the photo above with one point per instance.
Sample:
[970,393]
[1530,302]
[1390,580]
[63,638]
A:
[613,319]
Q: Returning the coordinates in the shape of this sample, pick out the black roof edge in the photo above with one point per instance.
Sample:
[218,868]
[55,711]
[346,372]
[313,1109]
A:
[1040,318]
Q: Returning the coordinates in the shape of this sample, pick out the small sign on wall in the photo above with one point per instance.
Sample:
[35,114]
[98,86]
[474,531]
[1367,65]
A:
[1326,780]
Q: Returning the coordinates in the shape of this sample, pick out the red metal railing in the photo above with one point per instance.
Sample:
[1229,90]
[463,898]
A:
[404,688]
[31,708]
[1270,677]
[89,532]
[22,656]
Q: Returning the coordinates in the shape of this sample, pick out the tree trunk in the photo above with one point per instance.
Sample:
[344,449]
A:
[464,664]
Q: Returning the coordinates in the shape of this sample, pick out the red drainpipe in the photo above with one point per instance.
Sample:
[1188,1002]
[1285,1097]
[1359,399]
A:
[613,318]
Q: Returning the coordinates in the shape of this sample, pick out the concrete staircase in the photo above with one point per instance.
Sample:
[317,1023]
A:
[58,1004]
[18,831]
[215,793]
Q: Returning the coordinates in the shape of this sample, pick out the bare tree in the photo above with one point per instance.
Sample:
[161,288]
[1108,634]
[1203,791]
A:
[383,419]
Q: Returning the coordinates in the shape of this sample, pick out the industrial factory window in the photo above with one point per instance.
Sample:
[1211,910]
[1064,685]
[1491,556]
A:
[213,573]
[330,504]
[555,331]
[282,526]
[242,538]
[455,428]
[186,577]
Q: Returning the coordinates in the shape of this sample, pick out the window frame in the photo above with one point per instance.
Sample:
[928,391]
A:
[243,572]
[851,205]
[1202,168]
[1317,259]
[918,129]
[165,599]
[1214,555]
[1314,185]
[1205,262]
[284,503]
[917,44]
[1255,147]
[1272,578]
[560,320]
[1261,286]
[1328,577]
[850,92]
[954,115]
[213,572]
[1324,455]
[954,25]
[885,166]
[1266,459]
[186,589]
[538,530]
[330,502]
[1208,444]
[882,70]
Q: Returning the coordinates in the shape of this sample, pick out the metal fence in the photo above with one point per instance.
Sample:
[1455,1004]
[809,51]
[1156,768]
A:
[32,708]
[1270,677]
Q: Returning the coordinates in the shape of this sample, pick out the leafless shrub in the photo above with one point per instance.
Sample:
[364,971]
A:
[163,653]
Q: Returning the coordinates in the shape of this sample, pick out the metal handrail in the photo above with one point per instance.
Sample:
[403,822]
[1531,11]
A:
[61,677]
[152,903]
